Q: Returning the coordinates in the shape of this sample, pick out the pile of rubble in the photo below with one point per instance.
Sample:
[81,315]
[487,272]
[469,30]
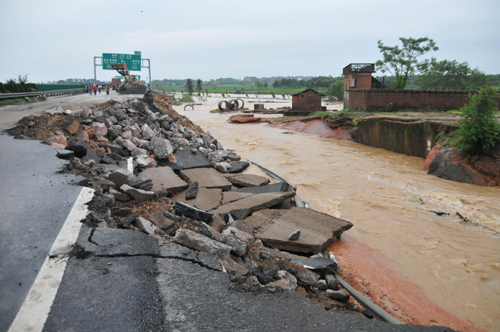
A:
[156,172]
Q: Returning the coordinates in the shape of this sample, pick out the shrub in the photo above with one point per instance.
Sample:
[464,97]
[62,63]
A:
[2,88]
[478,130]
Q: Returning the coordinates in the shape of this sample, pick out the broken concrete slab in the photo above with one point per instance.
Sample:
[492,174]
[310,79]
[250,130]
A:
[239,234]
[206,199]
[238,167]
[248,180]
[232,196]
[233,268]
[185,159]
[159,219]
[127,221]
[206,177]
[320,265]
[137,194]
[145,225]
[122,176]
[317,229]
[164,178]
[271,188]
[192,212]
[244,207]
[238,247]
[119,196]
[202,243]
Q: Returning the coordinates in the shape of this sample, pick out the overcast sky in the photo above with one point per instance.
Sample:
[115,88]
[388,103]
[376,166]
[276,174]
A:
[58,39]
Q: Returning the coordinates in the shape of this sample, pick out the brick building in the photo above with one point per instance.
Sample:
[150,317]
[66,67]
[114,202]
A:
[307,100]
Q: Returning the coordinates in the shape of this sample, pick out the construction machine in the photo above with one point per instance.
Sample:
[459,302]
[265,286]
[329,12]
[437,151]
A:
[132,83]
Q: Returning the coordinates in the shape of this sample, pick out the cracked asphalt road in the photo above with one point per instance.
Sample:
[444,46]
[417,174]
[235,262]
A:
[128,281]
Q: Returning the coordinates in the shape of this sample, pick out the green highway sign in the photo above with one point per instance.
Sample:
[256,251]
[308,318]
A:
[132,60]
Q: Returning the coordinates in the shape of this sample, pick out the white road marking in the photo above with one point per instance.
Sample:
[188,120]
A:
[36,307]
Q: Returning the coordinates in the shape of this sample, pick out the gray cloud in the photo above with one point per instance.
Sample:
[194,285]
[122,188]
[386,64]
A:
[56,39]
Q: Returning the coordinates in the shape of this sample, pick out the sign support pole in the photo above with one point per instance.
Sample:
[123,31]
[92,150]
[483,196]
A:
[149,67]
[95,65]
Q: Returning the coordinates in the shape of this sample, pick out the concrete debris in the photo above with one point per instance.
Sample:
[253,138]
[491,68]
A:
[244,207]
[339,295]
[202,243]
[161,148]
[294,236]
[159,219]
[145,225]
[317,229]
[138,194]
[192,212]
[192,190]
[123,176]
[206,199]
[164,178]
[65,154]
[319,265]
[206,177]
[248,180]
[119,196]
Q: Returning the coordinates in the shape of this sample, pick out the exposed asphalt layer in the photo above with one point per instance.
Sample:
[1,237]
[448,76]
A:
[110,285]
[34,203]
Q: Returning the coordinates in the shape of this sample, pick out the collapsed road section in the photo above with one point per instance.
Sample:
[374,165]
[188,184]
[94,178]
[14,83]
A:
[175,227]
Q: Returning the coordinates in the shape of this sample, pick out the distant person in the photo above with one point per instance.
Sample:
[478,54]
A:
[90,90]
[100,88]
[94,88]
[107,89]
[87,88]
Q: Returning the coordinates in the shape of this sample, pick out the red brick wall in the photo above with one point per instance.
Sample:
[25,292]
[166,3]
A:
[363,80]
[307,101]
[381,98]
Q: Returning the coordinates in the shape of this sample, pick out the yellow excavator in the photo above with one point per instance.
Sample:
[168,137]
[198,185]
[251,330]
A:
[132,83]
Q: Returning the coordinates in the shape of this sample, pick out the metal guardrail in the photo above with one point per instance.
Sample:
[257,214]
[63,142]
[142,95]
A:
[40,93]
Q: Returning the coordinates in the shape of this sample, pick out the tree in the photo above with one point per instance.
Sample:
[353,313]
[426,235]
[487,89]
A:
[265,85]
[22,79]
[198,86]
[189,86]
[403,62]
[336,90]
[259,85]
[479,129]
[451,75]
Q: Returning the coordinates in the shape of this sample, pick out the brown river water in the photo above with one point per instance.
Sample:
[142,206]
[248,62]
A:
[456,264]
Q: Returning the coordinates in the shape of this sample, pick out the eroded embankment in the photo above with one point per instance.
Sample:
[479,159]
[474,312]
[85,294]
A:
[413,137]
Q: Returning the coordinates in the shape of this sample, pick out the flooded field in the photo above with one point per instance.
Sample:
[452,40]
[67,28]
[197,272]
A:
[387,197]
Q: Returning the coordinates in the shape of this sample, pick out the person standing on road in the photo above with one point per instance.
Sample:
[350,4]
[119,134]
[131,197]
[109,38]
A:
[90,90]
[107,89]
[94,88]
[100,88]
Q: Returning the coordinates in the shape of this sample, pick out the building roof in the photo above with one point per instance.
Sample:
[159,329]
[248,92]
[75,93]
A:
[309,89]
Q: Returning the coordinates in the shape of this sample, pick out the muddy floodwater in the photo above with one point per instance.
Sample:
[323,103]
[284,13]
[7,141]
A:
[386,196]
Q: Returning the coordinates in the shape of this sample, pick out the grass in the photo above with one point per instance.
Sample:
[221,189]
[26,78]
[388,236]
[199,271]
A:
[12,101]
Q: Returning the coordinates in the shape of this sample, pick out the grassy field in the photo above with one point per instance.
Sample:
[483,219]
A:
[231,89]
